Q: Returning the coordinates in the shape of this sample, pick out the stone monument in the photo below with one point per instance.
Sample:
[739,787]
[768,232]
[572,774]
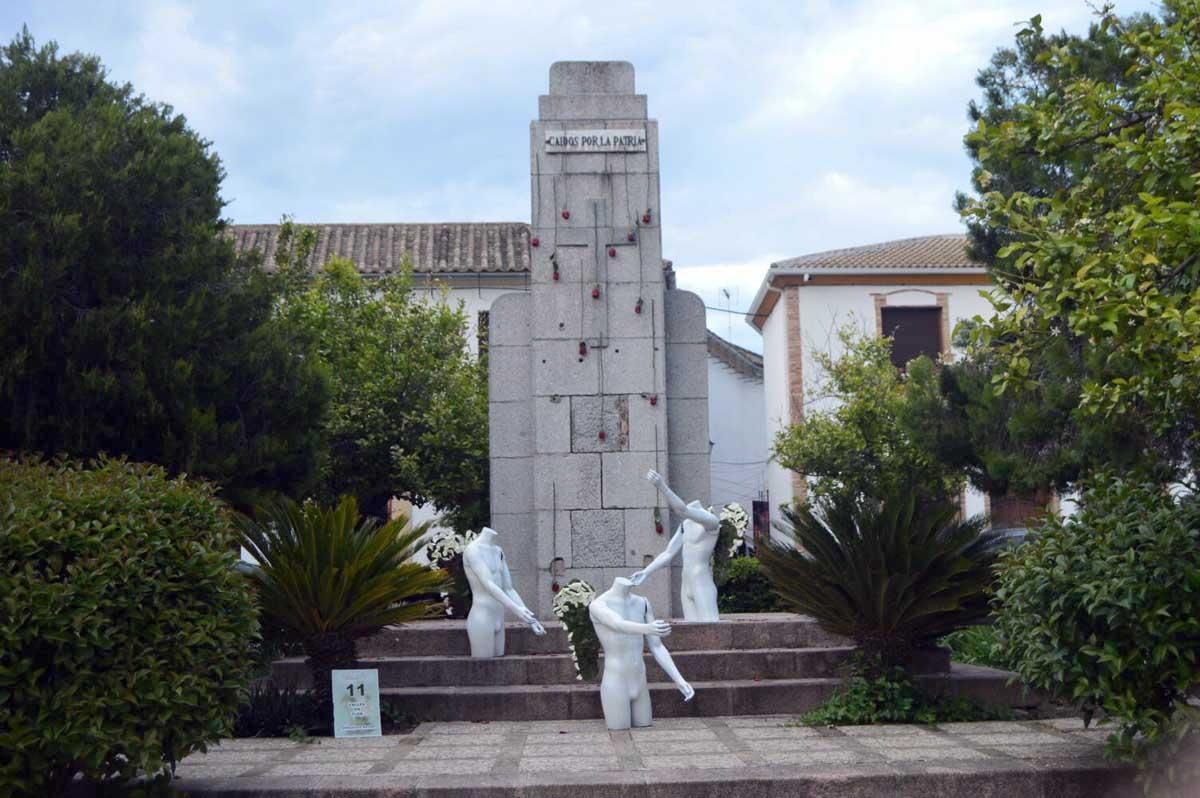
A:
[598,373]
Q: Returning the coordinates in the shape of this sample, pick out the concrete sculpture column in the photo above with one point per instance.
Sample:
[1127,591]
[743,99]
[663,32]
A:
[623,621]
[491,594]
[599,372]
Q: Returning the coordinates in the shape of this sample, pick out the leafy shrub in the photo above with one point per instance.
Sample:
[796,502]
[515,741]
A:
[1103,609]
[332,578]
[745,588]
[976,645]
[891,697]
[125,633]
[270,710]
[891,575]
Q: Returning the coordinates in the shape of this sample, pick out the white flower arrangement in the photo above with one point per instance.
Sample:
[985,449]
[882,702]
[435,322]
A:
[736,518]
[570,606]
[447,546]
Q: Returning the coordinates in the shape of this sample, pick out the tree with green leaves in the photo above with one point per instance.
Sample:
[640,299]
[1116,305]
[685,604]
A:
[1110,261]
[409,413]
[129,325]
[864,445]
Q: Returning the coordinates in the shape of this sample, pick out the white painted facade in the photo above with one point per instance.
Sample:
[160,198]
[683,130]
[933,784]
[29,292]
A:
[738,434]
[853,286]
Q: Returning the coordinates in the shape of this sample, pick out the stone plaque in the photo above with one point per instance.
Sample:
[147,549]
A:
[623,140]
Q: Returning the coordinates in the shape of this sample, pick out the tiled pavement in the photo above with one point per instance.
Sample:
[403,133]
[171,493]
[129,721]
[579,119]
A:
[457,757]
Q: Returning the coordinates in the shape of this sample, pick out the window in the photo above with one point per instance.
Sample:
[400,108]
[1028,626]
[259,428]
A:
[914,332]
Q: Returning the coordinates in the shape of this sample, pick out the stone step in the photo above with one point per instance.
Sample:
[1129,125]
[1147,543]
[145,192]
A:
[738,631]
[580,701]
[531,669]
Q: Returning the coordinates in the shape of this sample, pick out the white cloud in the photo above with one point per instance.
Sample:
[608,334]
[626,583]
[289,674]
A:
[173,64]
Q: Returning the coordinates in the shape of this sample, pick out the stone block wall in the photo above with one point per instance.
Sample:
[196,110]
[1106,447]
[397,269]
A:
[598,373]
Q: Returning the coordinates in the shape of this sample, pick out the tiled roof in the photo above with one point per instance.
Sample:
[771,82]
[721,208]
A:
[909,254]
[747,363]
[439,248]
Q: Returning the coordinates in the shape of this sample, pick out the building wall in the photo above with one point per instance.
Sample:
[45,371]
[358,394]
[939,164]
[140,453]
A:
[738,431]
[822,310]
[777,401]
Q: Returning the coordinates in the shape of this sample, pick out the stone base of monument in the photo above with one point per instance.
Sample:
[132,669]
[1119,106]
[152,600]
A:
[746,665]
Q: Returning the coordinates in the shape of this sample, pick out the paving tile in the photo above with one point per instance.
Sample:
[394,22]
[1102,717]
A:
[930,754]
[777,732]
[1045,752]
[321,769]
[358,743]
[324,754]
[898,730]
[673,734]
[989,727]
[802,744]
[442,767]
[568,749]
[690,762]
[1066,724]
[255,743]
[925,741]
[228,757]
[540,764]
[1026,738]
[579,738]
[669,747]
[841,757]
[451,741]
[455,752]
[755,722]
[185,771]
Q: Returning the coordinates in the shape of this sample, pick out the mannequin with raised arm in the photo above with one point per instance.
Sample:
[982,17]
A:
[492,593]
[696,537]
[623,620]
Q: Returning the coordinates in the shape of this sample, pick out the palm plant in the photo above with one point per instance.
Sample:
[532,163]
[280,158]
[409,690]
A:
[332,578]
[893,574]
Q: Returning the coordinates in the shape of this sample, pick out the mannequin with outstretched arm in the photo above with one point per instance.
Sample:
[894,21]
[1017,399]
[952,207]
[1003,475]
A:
[623,620]
[696,538]
[492,593]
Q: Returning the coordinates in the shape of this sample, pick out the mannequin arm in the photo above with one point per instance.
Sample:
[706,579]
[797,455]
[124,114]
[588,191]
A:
[679,506]
[662,560]
[526,613]
[663,658]
[606,617]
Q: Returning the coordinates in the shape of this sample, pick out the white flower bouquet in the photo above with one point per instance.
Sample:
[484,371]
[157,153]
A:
[571,607]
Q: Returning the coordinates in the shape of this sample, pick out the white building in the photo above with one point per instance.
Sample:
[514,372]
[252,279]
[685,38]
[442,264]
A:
[473,263]
[915,290]
[737,428]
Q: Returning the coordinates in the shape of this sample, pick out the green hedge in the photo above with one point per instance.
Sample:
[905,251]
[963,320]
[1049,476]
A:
[1103,609]
[125,634]
[745,588]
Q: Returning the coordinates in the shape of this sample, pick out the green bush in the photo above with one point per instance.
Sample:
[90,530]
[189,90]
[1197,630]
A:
[745,588]
[1103,609]
[891,697]
[890,574]
[976,645]
[125,634]
[271,710]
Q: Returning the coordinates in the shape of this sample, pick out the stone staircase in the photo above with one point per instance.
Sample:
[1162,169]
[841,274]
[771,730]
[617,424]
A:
[745,665]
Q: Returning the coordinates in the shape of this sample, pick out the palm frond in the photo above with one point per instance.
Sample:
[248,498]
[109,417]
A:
[888,573]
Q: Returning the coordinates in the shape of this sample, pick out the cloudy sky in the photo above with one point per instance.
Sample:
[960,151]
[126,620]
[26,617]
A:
[786,127]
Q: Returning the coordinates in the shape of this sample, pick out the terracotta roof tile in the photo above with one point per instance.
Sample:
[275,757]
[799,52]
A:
[445,248]
[743,361]
[926,252]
